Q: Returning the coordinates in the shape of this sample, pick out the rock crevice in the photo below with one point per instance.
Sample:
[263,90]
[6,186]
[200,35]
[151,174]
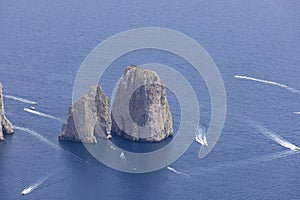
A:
[88,118]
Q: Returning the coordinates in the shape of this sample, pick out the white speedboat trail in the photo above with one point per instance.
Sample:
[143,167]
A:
[251,161]
[200,136]
[20,99]
[33,111]
[38,183]
[177,172]
[276,138]
[49,143]
[273,136]
[32,187]
[268,82]
[38,136]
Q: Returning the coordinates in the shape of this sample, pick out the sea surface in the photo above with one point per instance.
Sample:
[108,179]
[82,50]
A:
[256,46]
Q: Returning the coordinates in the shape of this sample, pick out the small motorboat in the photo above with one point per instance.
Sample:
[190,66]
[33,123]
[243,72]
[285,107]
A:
[108,137]
[32,108]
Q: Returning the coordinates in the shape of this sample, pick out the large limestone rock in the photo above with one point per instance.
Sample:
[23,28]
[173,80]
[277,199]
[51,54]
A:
[6,126]
[92,116]
[140,110]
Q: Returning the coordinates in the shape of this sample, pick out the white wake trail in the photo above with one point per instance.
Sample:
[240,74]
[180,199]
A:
[273,136]
[177,172]
[268,82]
[32,187]
[37,184]
[38,136]
[20,99]
[276,138]
[200,136]
[51,144]
[297,113]
[41,114]
[252,161]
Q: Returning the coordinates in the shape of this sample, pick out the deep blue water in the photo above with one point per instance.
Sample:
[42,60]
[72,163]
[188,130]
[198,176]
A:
[43,43]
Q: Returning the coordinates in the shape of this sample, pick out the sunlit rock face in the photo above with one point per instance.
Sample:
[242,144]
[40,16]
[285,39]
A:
[88,118]
[6,126]
[140,109]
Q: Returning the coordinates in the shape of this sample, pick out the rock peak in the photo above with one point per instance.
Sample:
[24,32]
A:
[140,110]
[6,126]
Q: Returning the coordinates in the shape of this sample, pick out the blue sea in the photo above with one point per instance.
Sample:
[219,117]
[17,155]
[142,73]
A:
[256,46]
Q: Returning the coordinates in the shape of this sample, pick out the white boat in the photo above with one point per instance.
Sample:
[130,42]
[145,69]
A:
[108,137]
[32,108]
[200,136]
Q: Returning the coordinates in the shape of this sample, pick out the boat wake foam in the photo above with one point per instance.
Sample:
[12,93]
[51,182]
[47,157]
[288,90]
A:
[276,138]
[177,172]
[33,186]
[251,161]
[297,113]
[273,136]
[268,82]
[20,99]
[41,114]
[38,136]
[38,183]
[49,143]
[200,136]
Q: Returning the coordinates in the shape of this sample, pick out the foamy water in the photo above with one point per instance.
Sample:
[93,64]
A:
[38,136]
[200,137]
[278,139]
[42,114]
[49,143]
[176,171]
[20,99]
[272,135]
[268,82]
[32,187]
[38,183]
[251,161]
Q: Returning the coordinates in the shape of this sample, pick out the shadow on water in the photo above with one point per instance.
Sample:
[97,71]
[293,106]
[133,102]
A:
[139,147]
[8,137]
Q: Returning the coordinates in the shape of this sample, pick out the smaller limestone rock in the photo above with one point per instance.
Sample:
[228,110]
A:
[88,117]
[6,126]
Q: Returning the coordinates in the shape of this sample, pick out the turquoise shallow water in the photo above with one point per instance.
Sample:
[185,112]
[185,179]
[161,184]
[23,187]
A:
[43,44]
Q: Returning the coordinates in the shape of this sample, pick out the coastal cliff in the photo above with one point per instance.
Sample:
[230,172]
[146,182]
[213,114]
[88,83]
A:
[140,109]
[6,126]
[92,116]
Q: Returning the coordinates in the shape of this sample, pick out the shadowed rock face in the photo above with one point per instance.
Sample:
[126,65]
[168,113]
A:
[140,109]
[92,116]
[6,126]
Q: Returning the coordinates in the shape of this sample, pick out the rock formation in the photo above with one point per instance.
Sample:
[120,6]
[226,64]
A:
[92,116]
[6,126]
[140,110]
